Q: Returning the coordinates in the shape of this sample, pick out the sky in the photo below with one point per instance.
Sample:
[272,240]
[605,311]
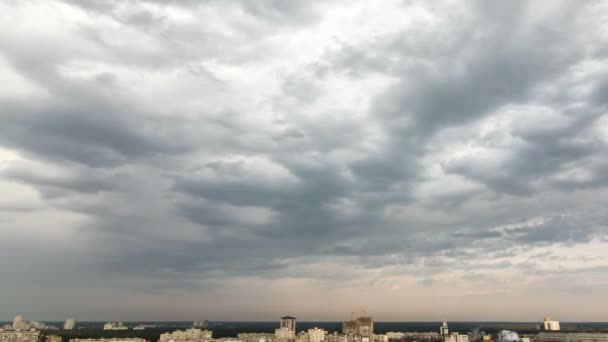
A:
[243,160]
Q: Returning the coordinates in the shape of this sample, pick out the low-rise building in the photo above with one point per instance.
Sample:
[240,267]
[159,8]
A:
[393,335]
[456,337]
[316,335]
[256,337]
[19,336]
[572,337]
[422,336]
[107,340]
[188,335]
[114,326]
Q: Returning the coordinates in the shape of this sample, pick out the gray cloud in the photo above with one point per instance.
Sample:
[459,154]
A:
[194,149]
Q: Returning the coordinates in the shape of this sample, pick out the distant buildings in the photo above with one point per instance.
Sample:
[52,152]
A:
[256,337]
[19,323]
[551,325]
[395,335]
[202,323]
[188,335]
[19,335]
[572,337]
[114,326]
[107,340]
[69,324]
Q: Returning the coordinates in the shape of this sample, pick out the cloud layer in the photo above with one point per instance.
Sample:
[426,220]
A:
[242,160]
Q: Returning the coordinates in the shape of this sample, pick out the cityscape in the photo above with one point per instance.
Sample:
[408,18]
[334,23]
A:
[303,171]
[357,329]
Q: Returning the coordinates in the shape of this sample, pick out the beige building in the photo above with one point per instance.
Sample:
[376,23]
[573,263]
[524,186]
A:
[456,337]
[551,325]
[316,335]
[572,337]
[188,335]
[114,326]
[19,336]
[256,337]
[392,335]
[284,333]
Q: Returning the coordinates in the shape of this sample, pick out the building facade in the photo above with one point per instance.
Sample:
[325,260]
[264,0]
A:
[288,322]
[456,337]
[572,337]
[256,337]
[551,325]
[188,335]
[316,335]
[19,336]
[69,324]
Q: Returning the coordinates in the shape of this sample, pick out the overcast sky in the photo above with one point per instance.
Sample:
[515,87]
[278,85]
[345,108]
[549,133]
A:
[242,160]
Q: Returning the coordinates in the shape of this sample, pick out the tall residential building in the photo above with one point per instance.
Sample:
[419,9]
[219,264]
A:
[443,329]
[362,326]
[288,322]
[508,336]
[551,325]
[69,324]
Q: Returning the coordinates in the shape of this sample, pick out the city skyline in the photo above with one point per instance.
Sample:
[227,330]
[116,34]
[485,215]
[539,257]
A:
[239,160]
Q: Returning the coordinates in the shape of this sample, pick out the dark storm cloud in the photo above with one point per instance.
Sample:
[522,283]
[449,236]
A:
[243,152]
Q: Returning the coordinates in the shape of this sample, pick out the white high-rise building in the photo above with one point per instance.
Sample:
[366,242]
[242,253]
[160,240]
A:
[18,323]
[551,325]
[443,329]
[69,324]
[316,335]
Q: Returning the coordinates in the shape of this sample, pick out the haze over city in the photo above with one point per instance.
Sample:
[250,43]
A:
[241,160]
